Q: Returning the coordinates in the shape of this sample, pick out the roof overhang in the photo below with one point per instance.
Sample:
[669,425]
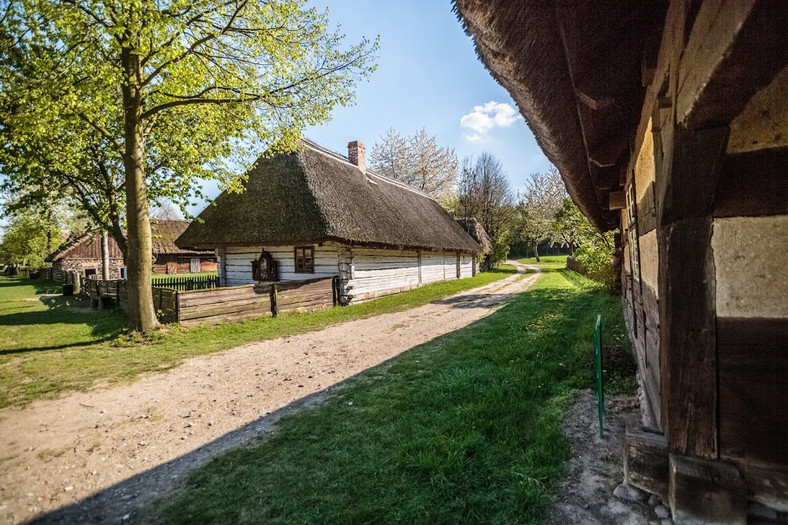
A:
[578,72]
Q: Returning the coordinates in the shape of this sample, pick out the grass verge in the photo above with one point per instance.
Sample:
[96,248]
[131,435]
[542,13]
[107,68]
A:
[50,345]
[465,428]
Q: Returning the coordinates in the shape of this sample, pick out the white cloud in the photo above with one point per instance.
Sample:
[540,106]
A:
[486,117]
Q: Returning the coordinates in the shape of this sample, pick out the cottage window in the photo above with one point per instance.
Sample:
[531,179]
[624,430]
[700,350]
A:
[304,259]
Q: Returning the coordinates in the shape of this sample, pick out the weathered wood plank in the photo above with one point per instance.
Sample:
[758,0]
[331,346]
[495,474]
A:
[753,184]
[703,491]
[753,370]
[734,49]
[219,319]
[766,484]
[688,352]
[646,463]
[263,306]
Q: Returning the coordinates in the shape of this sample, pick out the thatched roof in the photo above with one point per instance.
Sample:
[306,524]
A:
[574,70]
[316,195]
[164,233]
[477,231]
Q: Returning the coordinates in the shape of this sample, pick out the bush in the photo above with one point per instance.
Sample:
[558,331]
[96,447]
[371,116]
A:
[596,261]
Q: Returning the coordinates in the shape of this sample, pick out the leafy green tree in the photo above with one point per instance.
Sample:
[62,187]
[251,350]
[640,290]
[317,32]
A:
[27,240]
[593,249]
[196,89]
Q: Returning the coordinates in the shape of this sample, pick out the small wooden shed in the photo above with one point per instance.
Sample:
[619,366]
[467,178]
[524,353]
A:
[668,120]
[316,213]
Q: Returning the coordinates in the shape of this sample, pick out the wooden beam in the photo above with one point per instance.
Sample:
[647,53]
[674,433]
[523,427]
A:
[608,153]
[687,338]
[734,49]
[687,294]
[616,200]
[753,184]
[704,491]
[595,102]
[695,159]
[646,464]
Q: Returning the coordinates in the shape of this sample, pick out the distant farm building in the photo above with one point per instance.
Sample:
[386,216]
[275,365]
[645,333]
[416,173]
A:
[668,121]
[83,254]
[315,213]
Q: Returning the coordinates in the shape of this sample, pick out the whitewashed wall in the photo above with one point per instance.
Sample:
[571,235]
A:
[364,273]
[238,261]
[375,272]
[466,265]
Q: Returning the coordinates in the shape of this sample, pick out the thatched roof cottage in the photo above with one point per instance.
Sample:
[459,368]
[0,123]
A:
[667,120]
[315,213]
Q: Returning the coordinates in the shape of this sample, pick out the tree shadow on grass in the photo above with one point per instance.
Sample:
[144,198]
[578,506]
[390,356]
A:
[104,324]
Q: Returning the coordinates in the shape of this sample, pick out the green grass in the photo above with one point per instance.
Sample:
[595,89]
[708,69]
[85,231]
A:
[548,262]
[463,429]
[53,345]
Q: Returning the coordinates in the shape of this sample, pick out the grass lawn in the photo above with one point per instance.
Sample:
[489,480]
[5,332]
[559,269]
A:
[50,345]
[548,262]
[463,429]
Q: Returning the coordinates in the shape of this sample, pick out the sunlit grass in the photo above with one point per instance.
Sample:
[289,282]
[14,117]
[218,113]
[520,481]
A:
[463,429]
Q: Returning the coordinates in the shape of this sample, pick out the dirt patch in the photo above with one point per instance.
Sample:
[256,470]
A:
[98,455]
[596,467]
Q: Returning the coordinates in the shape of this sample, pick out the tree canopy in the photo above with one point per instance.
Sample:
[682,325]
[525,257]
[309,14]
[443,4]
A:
[168,92]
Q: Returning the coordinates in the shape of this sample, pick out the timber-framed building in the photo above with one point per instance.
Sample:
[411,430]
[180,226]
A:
[668,119]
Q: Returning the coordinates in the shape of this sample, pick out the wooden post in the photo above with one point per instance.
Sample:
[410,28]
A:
[687,310]
[221,255]
[418,254]
[274,305]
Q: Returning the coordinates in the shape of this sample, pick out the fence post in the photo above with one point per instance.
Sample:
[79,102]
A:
[274,306]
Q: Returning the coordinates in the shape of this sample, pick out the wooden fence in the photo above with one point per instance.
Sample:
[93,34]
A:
[575,265]
[186,282]
[217,305]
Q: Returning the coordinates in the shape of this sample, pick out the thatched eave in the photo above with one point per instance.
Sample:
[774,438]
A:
[574,70]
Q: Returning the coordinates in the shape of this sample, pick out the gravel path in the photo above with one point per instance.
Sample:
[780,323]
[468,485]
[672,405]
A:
[98,455]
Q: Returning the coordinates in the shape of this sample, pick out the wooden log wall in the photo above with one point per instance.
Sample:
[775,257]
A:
[236,264]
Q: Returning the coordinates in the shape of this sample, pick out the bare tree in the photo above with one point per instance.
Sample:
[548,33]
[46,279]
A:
[166,211]
[484,194]
[418,161]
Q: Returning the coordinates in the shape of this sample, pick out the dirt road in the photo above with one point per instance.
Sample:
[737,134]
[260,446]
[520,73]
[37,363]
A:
[98,455]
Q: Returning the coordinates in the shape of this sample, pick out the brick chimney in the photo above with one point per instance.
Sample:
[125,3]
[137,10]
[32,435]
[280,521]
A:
[356,154]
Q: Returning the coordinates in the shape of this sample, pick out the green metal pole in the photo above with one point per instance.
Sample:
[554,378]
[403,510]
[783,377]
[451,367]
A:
[599,376]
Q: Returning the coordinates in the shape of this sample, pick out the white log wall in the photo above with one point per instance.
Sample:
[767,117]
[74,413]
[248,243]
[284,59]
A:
[238,261]
[365,273]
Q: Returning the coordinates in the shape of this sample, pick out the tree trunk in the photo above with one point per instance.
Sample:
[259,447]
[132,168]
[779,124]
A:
[536,252]
[139,254]
[104,256]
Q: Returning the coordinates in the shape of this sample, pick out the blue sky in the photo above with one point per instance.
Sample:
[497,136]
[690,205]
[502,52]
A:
[428,77]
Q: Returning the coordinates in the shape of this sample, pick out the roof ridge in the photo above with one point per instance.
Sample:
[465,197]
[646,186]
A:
[311,144]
